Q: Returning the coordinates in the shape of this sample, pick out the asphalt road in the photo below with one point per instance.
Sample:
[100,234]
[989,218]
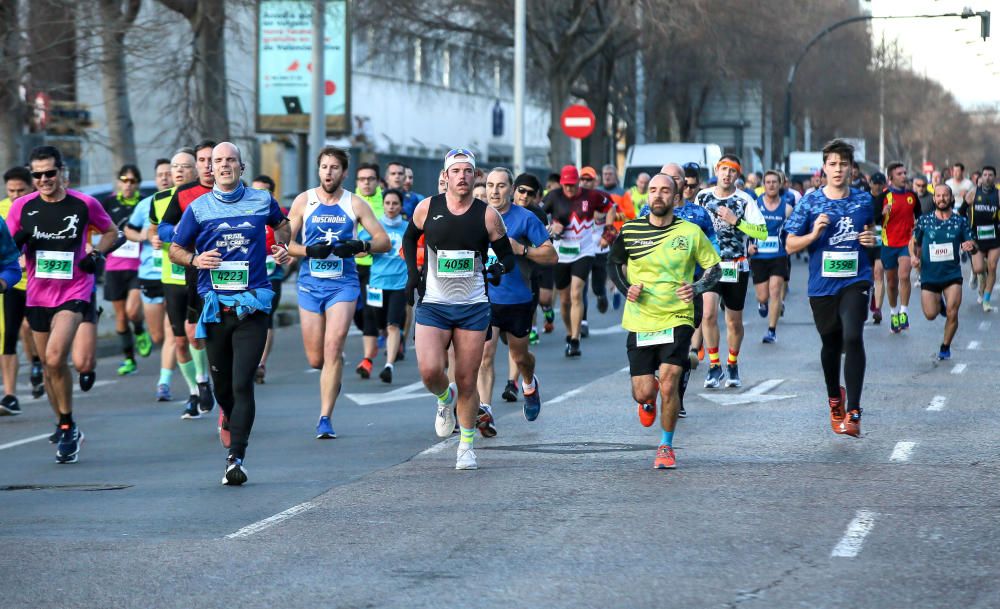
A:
[767,508]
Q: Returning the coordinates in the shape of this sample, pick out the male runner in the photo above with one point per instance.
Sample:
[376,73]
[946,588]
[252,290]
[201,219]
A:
[834,223]
[959,184]
[937,240]
[10,276]
[276,274]
[736,217]
[221,235]
[412,197]
[453,308]
[367,178]
[325,223]
[512,302]
[660,252]
[528,194]
[769,263]
[982,208]
[51,227]
[385,305]
[899,213]
[877,188]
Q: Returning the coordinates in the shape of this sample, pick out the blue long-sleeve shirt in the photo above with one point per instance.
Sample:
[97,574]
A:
[10,268]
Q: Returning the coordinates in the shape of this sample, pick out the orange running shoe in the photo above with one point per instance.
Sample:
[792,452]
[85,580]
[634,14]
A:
[852,423]
[664,458]
[701,354]
[364,369]
[647,414]
[837,411]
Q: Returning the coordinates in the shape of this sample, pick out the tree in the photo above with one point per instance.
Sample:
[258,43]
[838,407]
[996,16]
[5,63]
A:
[116,20]
[11,105]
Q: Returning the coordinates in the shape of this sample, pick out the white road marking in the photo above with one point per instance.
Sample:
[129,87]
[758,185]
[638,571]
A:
[439,447]
[937,403]
[958,369]
[260,525]
[565,396]
[973,345]
[854,536]
[901,453]
[407,392]
[985,325]
[24,441]
[755,395]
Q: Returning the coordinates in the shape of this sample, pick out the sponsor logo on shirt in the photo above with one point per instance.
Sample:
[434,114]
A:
[845,231]
[233,241]
[67,233]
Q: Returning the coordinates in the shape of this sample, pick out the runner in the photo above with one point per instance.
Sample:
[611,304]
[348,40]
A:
[573,211]
[10,276]
[877,189]
[325,222]
[51,226]
[834,223]
[276,274]
[121,273]
[453,308]
[982,208]
[659,252]
[221,235]
[769,263]
[180,282]
[959,184]
[899,213]
[367,178]
[385,305]
[736,217]
[937,240]
[150,282]
[528,194]
[512,301]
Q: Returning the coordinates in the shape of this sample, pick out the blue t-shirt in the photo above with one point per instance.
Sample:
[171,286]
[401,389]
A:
[389,269]
[515,285]
[238,231]
[150,265]
[323,223]
[410,202]
[837,259]
[940,243]
[774,246]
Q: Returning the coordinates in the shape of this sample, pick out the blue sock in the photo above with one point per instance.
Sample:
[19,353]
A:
[667,437]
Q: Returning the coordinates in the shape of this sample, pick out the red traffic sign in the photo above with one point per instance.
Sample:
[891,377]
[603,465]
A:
[928,167]
[577,121]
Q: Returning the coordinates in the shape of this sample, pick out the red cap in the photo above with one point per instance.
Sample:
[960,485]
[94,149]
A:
[569,175]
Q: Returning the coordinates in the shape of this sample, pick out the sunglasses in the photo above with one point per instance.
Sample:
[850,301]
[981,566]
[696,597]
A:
[127,180]
[51,173]
[690,185]
[526,191]
[459,152]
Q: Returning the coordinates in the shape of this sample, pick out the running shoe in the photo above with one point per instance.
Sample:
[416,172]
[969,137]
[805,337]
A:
[36,377]
[944,354]
[693,359]
[714,377]
[509,391]
[769,337]
[128,367]
[235,474]
[532,403]
[143,344]
[324,431]
[54,438]
[979,299]
[191,410]
[258,376]
[224,437]
[9,406]
[87,380]
[701,354]
[386,374]
[616,300]
[444,422]
[852,423]
[987,307]
[484,421]
[762,309]
[466,458]
[681,413]
[584,329]
[70,439]
[837,411]
[205,397]
[664,458]
[573,348]
[533,336]
[37,391]
[894,324]
[163,393]
[733,376]
[602,304]
[647,414]
[550,317]
[876,317]
[364,369]
[904,321]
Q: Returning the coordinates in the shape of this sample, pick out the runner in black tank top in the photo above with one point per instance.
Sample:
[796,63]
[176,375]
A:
[453,308]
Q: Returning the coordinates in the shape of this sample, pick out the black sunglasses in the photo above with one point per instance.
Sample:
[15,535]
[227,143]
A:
[690,185]
[525,191]
[51,173]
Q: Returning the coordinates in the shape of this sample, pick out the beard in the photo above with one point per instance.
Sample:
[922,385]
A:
[333,187]
[659,212]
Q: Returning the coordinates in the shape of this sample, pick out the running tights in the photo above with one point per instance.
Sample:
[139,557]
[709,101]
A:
[847,339]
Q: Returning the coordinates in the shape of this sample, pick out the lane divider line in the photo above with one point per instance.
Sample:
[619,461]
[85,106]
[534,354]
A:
[24,441]
[958,369]
[854,537]
[985,325]
[973,345]
[260,525]
[902,451]
[937,403]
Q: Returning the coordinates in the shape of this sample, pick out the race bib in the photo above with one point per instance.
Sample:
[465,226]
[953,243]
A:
[569,248]
[157,262]
[942,252]
[840,264]
[491,258]
[374,297]
[455,264]
[232,275]
[326,268]
[53,265]
[985,233]
[771,246]
[130,249]
[730,271]
[660,337]
[271,264]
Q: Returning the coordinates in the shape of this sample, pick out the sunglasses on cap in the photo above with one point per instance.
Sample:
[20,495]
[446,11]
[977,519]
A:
[51,173]
[459,152]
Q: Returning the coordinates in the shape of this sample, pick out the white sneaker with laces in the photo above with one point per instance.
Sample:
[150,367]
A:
[444,422]
[466,458]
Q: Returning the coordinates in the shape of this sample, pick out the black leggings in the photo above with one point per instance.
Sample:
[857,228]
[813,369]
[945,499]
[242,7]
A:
[234,348]
[840,320]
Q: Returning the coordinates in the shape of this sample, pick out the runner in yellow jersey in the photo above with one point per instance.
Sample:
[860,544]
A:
[17,182]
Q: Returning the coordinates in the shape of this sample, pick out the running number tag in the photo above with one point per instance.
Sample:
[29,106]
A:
[730,271]
[878,236]
[455,264]
[986,233]
[326,268]
[157,262]
[648,339]
[53,265]
[129,249]
[491,258]
[231,275]
[177,271]
[569,248]
[374,297]
[942,252]
[840,264]
[771,246]
[271,264]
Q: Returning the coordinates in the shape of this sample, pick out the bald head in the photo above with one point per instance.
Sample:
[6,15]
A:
[182,168]
[662,194]
[673,170]
[227,165]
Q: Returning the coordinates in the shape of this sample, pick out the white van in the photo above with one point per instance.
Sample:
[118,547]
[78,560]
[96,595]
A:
[650,158]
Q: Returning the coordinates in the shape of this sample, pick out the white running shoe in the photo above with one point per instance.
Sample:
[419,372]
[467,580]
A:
[444,422]
[466,458]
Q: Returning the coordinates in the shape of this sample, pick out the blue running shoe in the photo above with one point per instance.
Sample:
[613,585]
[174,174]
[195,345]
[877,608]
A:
[163,393]
[324,431]
[944,354]
[769,337]
[532,403]
[762,309]
[904,321]
[714,377]
[70,439]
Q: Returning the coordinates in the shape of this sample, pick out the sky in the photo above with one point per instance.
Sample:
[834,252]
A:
[948,50]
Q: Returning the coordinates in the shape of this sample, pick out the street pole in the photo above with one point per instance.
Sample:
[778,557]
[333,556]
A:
[640,86]
[578,152]
[881,123]
[519,78]
[317,116]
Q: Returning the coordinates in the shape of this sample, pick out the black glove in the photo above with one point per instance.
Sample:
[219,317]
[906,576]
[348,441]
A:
[495,272]
[412,286]
[88,264]
[346,249]
[319,250]
[21,238]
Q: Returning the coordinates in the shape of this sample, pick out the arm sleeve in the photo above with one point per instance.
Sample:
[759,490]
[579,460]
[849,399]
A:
[410,238]
[505,253]
[187,229]
[617,256]
[752,223]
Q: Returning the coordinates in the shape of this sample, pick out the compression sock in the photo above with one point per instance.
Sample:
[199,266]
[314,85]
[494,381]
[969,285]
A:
[444,395]
[200,359]
[733,356]
[667,437]
[138,327]
[127,344]
[467,436]
[166,375]
[986,296]
[188,371]
[66,419]
[713,356]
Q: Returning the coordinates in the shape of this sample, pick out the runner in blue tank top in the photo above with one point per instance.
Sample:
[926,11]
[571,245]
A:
[769,264]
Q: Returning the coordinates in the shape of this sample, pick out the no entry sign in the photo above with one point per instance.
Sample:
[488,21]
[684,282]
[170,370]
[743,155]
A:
[577,121]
